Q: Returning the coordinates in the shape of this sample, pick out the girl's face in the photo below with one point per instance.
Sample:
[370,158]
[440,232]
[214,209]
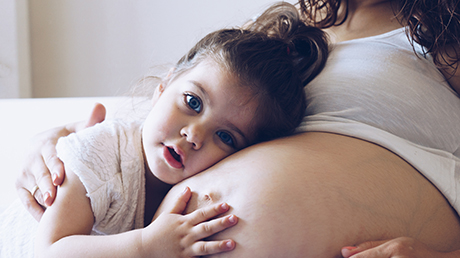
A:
[198,119]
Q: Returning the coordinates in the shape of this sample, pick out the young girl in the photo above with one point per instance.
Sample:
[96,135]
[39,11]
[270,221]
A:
[234,88]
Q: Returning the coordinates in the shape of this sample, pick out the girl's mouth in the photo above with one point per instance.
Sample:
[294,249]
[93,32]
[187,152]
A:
[174,154]
[172,157]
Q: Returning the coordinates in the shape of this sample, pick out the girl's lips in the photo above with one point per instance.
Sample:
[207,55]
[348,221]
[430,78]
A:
[170,159]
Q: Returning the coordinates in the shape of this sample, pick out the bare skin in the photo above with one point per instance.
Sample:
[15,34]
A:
[330,191]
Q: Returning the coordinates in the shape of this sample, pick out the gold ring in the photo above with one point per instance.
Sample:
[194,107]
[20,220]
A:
[34,190]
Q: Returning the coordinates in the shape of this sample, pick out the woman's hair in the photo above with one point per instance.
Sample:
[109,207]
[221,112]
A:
[434,24]
[274,56]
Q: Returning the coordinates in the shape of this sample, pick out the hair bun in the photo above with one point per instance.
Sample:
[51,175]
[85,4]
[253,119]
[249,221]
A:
[307,45]
[279,21]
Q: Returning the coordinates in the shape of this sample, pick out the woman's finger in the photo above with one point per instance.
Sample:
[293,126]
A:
[30,203]
[401,247]
[351,250]
[97,115]
[53,165]
[25,184]
[50,175]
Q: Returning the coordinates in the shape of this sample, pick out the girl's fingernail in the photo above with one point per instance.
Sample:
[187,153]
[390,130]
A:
[229,244]
[232,219]
[224,206]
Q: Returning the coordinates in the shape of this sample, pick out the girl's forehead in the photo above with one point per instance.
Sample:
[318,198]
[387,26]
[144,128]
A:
[211,75]
[216,85]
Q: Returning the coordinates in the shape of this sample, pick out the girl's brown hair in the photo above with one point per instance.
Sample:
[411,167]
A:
[434,24]
[275,56]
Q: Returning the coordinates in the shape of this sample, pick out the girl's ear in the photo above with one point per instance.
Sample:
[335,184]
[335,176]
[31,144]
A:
[158,91]
[160,88]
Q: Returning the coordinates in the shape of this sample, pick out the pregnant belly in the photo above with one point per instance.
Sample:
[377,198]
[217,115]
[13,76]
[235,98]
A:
[311,194]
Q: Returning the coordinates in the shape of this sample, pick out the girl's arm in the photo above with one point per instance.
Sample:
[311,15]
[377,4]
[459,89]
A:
[65,227]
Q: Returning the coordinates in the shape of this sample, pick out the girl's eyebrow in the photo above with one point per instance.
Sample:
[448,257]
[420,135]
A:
[202,90]
[234,128]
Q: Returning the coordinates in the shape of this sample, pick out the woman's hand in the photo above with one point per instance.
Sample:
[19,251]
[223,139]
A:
[402,247]
[42,167]
[175,235]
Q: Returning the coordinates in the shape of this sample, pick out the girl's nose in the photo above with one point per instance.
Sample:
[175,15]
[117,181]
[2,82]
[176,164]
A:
[194,134]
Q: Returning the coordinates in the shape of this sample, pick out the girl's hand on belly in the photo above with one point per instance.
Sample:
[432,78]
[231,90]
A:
[402,247]
[175,235]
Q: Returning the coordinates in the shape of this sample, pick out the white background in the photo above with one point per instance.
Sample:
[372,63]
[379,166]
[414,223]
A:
[80,48]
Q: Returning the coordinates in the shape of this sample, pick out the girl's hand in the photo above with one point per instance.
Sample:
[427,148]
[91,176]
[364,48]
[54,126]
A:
[175,235]
[43,168]
[402,247]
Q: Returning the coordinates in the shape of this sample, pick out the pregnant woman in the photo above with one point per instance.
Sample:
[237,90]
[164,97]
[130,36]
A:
[376,158]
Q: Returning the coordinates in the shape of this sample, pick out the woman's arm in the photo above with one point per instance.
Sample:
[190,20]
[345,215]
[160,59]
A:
[43,168]
[65,227]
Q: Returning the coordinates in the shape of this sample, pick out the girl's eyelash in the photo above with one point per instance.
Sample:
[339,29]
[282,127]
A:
[193,102]
[231,138]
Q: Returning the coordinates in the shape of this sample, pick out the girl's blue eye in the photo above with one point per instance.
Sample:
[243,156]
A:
[194,103]
[226,138]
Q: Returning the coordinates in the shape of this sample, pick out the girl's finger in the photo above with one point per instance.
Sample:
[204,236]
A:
[212,247]
[214,226]
[207,213]
[181,201]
